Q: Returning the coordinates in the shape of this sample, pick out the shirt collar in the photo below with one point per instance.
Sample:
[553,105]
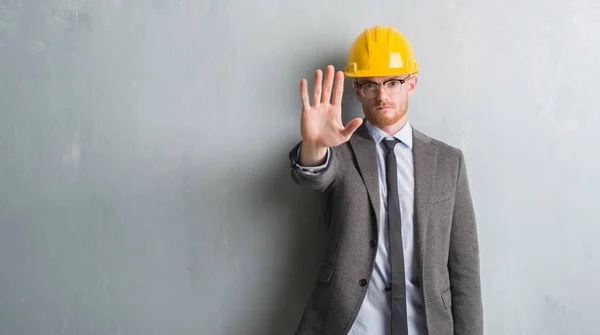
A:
[404,134]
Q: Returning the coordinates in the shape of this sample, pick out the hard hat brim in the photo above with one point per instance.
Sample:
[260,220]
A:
[379,73]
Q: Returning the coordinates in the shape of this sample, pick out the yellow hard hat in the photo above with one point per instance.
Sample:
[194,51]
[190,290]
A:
[381,51]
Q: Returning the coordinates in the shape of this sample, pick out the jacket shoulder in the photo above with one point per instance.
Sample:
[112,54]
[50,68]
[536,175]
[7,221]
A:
[443,147]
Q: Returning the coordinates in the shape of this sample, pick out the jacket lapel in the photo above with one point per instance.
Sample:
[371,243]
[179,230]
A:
[366,157]
[425,163]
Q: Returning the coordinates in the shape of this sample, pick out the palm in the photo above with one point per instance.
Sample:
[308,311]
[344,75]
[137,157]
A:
[321,122]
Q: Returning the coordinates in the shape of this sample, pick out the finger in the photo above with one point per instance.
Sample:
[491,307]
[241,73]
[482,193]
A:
[325,98]
[338,90]
[304,94]
[351,127]
[317,87]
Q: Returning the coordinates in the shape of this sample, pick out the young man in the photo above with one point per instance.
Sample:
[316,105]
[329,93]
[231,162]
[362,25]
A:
[402,255]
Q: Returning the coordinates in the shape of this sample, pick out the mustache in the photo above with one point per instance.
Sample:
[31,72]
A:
[384,105]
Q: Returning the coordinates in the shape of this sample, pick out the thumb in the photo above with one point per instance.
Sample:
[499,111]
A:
[351,127]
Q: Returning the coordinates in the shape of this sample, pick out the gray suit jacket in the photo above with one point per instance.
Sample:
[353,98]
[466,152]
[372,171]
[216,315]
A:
[446,235]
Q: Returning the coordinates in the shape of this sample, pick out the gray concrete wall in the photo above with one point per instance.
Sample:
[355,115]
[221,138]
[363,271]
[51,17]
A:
[143,178]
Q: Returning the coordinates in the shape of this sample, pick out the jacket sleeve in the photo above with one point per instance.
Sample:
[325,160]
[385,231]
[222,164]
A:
[321,178]
[463,263]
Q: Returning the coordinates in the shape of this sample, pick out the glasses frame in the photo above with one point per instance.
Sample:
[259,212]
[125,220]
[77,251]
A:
[379,85]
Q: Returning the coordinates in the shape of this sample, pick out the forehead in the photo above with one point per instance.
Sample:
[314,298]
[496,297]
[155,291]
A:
[376,79]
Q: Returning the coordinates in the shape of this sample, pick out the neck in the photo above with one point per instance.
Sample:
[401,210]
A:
[394,128]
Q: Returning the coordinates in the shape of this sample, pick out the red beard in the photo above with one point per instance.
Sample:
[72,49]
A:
[385,118]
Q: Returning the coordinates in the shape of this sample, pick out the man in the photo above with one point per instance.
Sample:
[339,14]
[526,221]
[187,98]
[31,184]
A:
[402,255]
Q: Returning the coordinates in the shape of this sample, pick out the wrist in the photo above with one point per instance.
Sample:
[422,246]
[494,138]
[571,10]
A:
[312,154]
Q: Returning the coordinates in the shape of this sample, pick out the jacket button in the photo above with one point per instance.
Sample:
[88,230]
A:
[373,243]
[362,282]
[388,287]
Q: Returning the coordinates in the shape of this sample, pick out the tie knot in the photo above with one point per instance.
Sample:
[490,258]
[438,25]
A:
[390,143]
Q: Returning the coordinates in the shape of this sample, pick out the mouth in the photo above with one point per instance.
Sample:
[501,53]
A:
[383,108]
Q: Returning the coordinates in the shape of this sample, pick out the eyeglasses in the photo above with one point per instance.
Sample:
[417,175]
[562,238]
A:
[391,87]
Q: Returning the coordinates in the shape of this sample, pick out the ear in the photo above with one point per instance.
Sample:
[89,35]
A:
[412,85]
[356,91]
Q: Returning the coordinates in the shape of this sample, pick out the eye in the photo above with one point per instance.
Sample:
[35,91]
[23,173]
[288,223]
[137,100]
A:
[370,86]
[393,83]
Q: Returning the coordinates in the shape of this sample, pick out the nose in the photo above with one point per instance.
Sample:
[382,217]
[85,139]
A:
[382,93]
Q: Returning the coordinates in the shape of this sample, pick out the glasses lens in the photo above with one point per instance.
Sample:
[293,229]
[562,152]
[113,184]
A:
[393,87]
[371,90]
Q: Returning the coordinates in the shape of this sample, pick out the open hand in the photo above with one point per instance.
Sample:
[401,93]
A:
[321,122]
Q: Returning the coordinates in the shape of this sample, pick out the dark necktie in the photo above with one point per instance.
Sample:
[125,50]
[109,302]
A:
[396,252]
